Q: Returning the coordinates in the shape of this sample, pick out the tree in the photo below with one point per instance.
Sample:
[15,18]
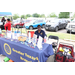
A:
[64,14]
[73,15]
[23,16]
[28,15]
[36,15]
[42,15]
[53,15]
[16,16]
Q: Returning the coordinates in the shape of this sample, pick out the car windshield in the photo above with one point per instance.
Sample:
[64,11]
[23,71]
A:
[31,22]
[53,21]
[73,21]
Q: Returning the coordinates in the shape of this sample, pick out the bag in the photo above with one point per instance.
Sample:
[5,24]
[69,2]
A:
[69,59]
[59,57]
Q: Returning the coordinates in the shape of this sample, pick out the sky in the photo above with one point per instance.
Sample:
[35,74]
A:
[24,13]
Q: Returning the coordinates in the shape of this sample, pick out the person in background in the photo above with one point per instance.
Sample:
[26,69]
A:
[40,32]
[3,20]
[8,25]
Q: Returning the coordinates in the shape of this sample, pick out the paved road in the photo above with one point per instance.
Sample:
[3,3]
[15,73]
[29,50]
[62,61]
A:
[61,31]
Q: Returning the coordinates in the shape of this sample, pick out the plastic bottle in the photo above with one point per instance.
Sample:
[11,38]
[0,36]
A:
[45,39]
[0,31]
[29,37]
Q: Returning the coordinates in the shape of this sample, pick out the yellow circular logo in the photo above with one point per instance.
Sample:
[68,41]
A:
[41,33]
[7,48]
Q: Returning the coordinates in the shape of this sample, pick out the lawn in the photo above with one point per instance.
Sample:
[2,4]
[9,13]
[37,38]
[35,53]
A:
[62,35]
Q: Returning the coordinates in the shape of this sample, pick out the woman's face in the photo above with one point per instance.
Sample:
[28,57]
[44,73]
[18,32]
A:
[3,18]
[39,28]
[7,20]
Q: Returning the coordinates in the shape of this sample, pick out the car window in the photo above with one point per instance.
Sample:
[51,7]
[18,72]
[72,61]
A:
[54,21]
[63,21]
[60,21]
[38,21]
[73,21]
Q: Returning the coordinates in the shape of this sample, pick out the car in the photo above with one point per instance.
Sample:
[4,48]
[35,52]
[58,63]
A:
[34,24]
[19,23]
[71,27]
[55,25]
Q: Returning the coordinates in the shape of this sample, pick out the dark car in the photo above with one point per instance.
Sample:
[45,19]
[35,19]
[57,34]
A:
[56,24]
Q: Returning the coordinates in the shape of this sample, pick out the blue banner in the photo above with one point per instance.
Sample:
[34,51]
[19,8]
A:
[21,53]
[5,13]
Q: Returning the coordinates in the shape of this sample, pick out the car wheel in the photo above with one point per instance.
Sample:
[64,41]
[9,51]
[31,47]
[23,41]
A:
[17,26]
[56,29]
[31,27]
[68,31]
[43,26]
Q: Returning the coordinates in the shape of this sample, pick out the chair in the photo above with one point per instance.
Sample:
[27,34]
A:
[54,44]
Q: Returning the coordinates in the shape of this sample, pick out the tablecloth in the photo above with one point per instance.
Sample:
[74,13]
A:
[21,53]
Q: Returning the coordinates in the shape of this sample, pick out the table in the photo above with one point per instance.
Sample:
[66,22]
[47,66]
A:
[21,53]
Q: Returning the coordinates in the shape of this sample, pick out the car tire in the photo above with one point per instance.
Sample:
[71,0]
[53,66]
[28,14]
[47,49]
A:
[43,26]
[46,29]
[31,27]
[17,26]
[56,29]
[68,32]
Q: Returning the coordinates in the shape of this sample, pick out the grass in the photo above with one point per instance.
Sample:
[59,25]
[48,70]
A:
[62,35]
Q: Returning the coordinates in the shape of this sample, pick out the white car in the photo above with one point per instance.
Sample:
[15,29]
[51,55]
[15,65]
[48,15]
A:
[71,27]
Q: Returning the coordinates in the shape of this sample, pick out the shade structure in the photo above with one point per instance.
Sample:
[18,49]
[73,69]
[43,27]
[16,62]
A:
[5,14]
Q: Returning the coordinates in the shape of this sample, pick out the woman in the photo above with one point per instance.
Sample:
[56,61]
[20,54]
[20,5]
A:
[8,25]
[40,32]
[3,20]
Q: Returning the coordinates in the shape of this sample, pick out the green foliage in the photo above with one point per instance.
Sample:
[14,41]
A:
[42,15]
[16,16]
[53,15]
[36,15]
[28,15]
[73,15]
[64,14]
[23,16]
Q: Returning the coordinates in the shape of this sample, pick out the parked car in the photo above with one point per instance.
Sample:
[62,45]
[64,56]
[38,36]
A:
[34,24]
[55,25]
[19,23]
[71,27]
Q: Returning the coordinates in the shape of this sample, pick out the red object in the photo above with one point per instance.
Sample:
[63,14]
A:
[8,26]
[60,57]
[32,33]
[21,23]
